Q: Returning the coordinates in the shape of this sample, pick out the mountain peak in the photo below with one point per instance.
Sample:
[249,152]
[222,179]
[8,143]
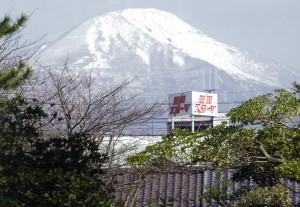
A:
[159,47]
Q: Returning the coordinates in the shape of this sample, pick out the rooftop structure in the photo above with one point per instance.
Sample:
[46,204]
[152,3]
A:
[194,111]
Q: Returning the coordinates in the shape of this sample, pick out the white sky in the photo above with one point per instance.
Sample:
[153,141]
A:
[268,27]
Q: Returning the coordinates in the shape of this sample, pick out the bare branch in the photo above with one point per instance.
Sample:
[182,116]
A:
[268,157]
[82,105]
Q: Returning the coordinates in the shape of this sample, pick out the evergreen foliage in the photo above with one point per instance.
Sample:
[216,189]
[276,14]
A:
[15,76]
[11,77]
[7,27]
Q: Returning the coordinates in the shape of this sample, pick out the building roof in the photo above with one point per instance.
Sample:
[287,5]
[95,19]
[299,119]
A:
[175,187]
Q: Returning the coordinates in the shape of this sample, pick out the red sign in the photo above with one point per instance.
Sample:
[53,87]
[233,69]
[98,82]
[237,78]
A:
[179,99]
[202,108]
[179,104]
[205,99]
[177,108]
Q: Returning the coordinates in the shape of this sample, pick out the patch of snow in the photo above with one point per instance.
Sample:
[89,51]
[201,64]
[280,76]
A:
[143,55]
[178,60]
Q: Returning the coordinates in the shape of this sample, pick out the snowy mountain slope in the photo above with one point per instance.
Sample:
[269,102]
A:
[165,54]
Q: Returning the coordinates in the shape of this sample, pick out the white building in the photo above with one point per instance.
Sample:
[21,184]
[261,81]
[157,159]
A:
[194,111]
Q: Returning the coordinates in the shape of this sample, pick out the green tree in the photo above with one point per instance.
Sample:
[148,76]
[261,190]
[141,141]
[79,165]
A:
[36,170]
[13,70]
[262,144]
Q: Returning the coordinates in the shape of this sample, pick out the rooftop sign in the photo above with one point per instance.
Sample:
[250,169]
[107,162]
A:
[193,103]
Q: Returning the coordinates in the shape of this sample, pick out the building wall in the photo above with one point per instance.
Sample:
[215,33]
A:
[200,122]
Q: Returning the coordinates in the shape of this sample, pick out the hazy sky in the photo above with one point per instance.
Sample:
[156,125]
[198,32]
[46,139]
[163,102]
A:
[267,27]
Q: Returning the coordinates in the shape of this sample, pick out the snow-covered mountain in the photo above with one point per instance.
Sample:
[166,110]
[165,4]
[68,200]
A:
[166,55]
